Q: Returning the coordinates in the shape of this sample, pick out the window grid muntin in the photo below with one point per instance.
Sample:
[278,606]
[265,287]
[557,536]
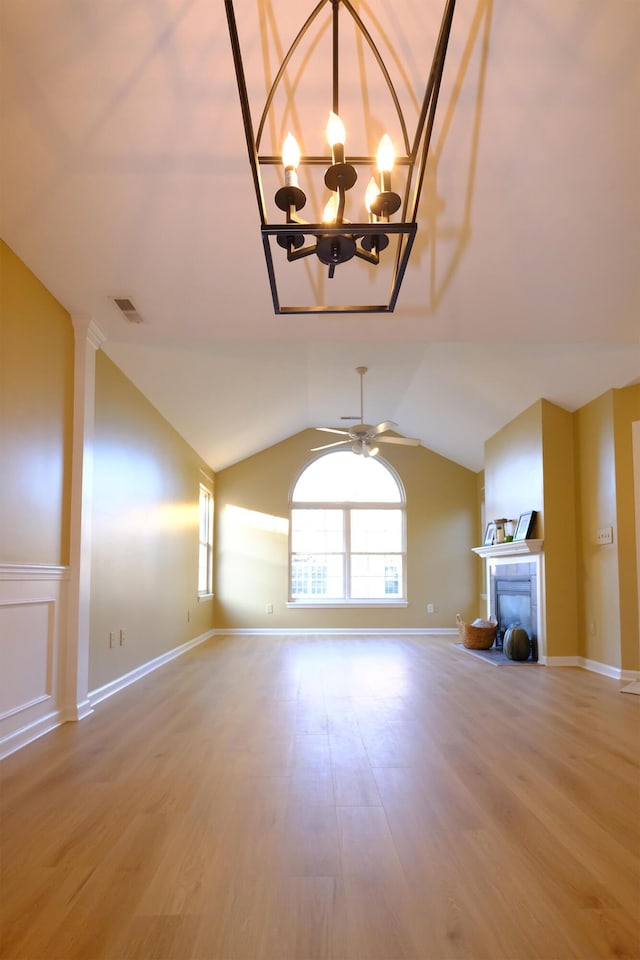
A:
[348,509]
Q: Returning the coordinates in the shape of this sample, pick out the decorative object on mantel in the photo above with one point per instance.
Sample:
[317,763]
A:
[490,534]
[500,525]
[525,525]
[479,635]
[516,644]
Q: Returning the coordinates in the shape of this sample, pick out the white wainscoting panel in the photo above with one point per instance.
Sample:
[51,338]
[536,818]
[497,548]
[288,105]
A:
[32,611]
[26,654]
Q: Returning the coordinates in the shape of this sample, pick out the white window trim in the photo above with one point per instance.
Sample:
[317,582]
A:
[208,593]
[347,507]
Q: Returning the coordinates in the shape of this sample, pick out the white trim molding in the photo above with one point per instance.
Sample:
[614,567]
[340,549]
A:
[114,686]
[515,548]
[336,632]
[33,571]
[29,732]
[594,666]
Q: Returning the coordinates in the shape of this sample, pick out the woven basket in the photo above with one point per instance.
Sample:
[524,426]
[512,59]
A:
[476,638]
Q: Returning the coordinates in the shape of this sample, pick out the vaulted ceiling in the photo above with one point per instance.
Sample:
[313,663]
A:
[125,174]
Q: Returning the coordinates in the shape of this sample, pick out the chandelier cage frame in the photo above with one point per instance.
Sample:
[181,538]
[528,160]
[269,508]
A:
[360,240]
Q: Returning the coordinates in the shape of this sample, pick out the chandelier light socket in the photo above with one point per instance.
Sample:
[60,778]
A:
[340,175]
[385,204]
[334,250]
[289,198]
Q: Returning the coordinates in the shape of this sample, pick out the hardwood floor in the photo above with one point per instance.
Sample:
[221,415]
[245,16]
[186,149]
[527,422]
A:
[270,798]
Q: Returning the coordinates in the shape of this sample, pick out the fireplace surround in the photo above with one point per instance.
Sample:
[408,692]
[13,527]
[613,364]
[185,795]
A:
[515,589]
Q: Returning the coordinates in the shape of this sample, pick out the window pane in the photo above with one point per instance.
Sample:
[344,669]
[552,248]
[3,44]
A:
[342,477]
[376,530]
[203,569]
[316,577]
[376,576]
[317,531]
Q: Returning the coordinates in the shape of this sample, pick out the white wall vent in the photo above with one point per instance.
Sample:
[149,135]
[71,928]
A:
[127,308]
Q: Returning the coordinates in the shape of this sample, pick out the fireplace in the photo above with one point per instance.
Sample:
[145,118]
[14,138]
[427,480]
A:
[514,589]
[514,600]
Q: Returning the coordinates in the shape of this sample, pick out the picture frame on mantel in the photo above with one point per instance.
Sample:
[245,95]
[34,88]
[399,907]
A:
[525,525]
[489,534]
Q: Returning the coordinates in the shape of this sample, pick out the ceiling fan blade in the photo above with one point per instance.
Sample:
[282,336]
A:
[338,443]
[408,441]
[382,428]
[344,433]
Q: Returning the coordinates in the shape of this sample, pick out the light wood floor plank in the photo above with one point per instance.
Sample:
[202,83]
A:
[290,798]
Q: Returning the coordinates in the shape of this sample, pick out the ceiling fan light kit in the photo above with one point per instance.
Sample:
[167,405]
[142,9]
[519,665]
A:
[333,239]
[360,436]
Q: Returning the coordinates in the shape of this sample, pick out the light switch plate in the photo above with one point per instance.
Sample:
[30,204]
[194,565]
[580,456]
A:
[605,535]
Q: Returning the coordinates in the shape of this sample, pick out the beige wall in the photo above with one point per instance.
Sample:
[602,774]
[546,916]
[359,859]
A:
[608,594]
[145,532]
[596,496]
[559,524]
[513,472]
[529,465]
[252,542]
[626,411]
[36,414]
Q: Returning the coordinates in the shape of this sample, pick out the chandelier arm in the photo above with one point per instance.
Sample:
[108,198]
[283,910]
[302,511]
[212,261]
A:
[383,70]
[429,105]
[369,257]
[246,114]
[300,252]
[283,66]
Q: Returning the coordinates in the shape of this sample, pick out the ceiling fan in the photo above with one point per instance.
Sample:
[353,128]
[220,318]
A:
[360,436]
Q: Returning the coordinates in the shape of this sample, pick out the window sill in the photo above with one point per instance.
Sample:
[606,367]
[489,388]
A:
[319,604]
[205,596]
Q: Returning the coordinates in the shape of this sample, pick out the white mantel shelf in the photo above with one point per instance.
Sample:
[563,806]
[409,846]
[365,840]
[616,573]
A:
[516,548]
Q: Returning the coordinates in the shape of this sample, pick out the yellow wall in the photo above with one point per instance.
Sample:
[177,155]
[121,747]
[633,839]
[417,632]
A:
[36,418]
[513,472]
[559,523]
[252,542]
[596,497]
[608,594]
[144,567]
[626,410]
[529,465]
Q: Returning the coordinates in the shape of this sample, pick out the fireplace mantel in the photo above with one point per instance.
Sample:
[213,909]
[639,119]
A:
[515,548]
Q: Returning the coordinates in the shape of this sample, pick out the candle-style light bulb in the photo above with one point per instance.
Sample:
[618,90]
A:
[371,193]
[290,160]
[290,152]
[336,137]
[386,157]
[331,209]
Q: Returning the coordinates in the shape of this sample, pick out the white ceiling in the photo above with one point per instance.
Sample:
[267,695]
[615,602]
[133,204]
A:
[125,173]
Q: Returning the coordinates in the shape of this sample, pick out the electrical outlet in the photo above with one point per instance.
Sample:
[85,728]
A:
[605,535]
[269,608]
[429,608]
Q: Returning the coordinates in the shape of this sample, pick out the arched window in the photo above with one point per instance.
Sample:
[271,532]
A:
[347,538]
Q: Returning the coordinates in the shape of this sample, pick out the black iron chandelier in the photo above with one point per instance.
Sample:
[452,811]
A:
[336,240]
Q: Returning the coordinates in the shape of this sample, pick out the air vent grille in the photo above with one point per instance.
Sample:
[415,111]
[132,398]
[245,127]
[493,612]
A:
[127,308]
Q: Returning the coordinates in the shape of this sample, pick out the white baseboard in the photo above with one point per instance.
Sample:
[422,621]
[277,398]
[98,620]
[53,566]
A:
[31,731]
[336,632]
[594,666]
[114,686]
